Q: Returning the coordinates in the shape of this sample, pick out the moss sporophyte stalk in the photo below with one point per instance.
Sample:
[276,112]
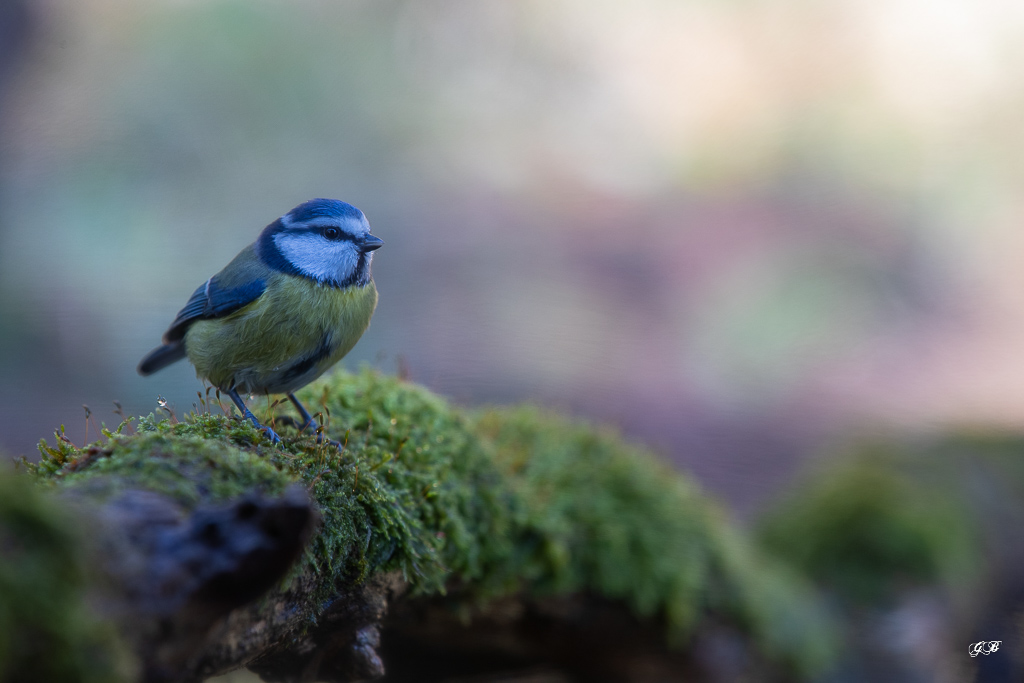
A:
[499,502]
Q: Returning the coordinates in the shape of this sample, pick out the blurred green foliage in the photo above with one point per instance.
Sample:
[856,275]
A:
[46,633]
[879,522]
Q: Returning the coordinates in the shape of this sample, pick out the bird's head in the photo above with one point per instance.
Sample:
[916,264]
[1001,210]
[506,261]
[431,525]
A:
[325,240]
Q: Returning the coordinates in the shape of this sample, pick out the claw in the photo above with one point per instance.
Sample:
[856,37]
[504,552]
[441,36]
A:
[320,438]
[271,434]
[288,422]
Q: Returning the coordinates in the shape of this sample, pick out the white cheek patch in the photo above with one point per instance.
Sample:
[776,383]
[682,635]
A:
[317,257]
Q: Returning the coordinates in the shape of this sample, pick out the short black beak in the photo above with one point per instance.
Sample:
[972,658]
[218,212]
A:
[371,242]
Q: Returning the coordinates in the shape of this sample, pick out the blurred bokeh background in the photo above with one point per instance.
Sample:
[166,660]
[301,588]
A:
[736,229]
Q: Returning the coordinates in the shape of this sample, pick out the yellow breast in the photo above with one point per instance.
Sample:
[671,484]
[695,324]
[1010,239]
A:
[285,339]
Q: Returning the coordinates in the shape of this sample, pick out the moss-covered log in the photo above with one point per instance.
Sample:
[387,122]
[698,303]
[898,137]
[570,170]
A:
[501,538]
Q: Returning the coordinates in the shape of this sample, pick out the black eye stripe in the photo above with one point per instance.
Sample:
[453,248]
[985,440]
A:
[334,234]
[321,230]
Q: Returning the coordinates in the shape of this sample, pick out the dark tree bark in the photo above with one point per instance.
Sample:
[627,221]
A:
[169,578]
[197,593]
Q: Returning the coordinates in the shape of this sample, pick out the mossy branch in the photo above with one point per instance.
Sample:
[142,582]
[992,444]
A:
[463,522]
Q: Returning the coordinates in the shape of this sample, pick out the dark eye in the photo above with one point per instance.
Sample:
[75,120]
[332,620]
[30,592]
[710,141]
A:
[332,233]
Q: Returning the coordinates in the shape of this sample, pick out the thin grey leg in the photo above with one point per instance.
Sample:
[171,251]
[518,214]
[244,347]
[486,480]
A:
[307,420]
[252,418]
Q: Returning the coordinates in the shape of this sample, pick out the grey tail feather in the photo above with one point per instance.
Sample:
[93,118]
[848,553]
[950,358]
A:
[161,357]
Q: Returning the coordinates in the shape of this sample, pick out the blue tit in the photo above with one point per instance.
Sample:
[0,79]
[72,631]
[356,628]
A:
[286,309]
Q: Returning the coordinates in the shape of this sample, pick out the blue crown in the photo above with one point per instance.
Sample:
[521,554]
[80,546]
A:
[323,208]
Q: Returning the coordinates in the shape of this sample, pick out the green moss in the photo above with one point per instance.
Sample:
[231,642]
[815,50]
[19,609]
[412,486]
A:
[413,490]
[498,503]
[168,459]
[597,515]
[603,516]
[45,632]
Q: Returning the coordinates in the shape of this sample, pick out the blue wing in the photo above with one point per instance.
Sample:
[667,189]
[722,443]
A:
[240,283]
[213,300]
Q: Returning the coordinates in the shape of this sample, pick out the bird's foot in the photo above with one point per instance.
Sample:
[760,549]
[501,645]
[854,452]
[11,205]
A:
[300,427]
[247,414]
[271,434]
[288,421]
[321,439]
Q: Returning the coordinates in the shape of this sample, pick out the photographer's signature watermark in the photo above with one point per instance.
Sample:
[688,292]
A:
[985,647]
